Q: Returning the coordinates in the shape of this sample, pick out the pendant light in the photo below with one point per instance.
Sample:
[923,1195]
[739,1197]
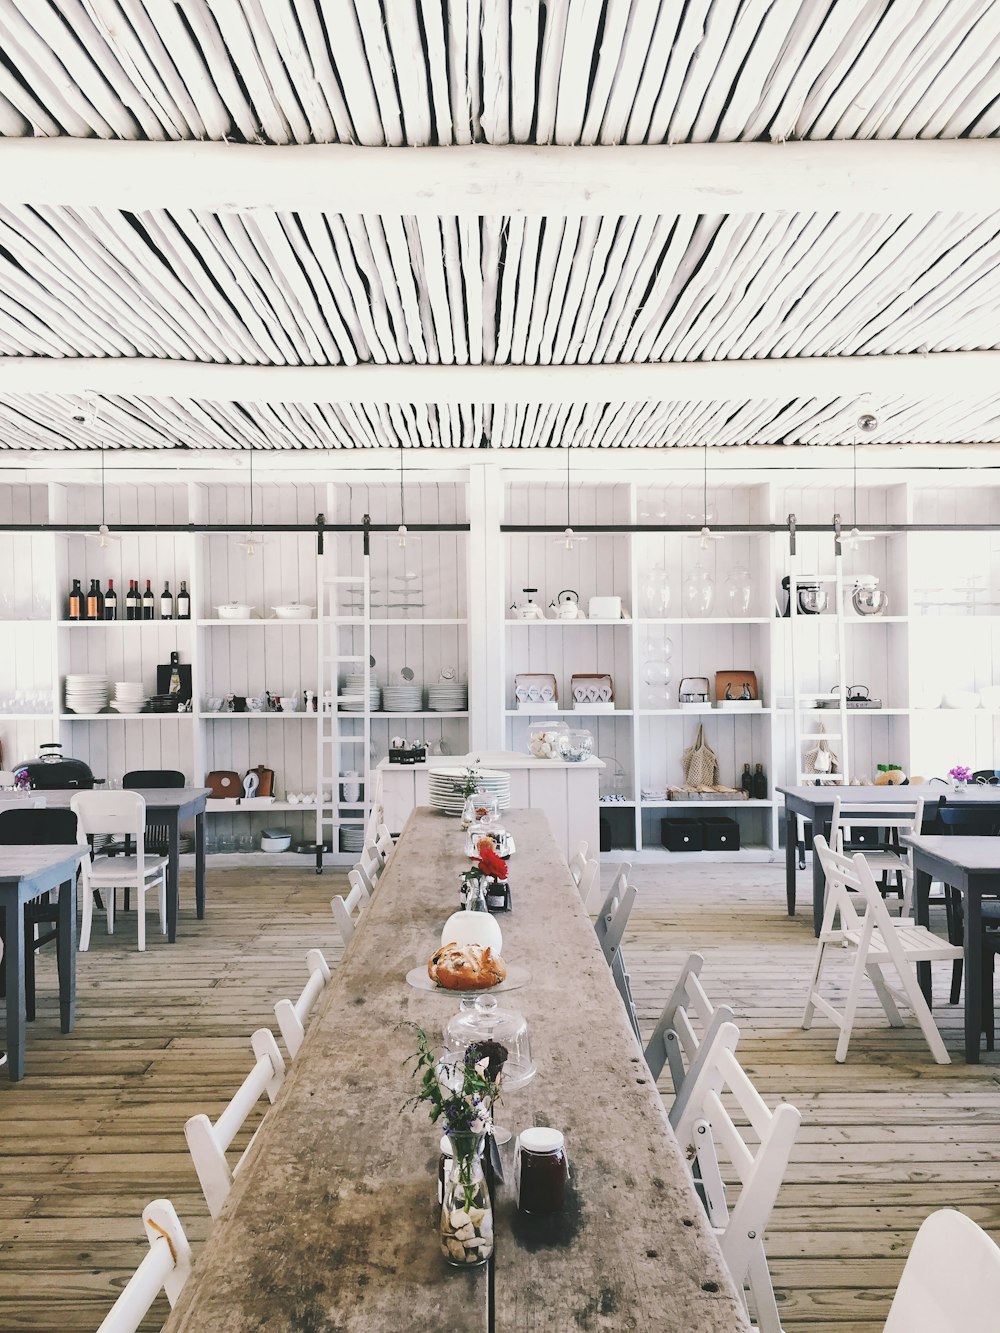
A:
[402,534]
[103,537]
[252,542]
[866,424]
[706,535]
[569,538]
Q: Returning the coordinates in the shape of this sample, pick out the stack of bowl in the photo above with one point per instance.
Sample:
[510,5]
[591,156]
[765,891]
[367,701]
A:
[129,696]
[354,687]
[86,693]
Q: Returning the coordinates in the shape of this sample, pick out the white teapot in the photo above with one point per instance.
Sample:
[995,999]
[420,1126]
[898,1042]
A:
[566,606]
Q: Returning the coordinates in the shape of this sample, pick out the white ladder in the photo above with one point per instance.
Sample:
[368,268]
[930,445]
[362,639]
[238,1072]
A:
[343,739]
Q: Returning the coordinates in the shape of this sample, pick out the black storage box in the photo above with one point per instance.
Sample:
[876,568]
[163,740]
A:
[720,833]
[605,828]
[681,835]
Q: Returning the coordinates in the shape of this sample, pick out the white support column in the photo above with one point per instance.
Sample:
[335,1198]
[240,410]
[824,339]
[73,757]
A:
[487,638]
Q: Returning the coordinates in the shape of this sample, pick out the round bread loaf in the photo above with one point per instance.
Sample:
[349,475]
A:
[466,967]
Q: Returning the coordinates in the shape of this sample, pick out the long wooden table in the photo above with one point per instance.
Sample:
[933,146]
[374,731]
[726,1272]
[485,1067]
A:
[332,1222]
[169,806]
[972,866]
[25,874]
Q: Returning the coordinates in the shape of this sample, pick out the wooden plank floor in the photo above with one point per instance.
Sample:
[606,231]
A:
[96,1130]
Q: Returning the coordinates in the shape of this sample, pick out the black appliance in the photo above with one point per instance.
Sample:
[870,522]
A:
[53,770]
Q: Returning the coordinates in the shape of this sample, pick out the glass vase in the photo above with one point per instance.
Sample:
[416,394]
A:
[466,1210]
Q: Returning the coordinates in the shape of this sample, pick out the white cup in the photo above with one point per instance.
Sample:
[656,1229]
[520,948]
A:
[289,704]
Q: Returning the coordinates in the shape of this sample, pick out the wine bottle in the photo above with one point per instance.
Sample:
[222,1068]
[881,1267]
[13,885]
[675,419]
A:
[746,781]
[132,601]
[75,608]
[148,603]
[95,602]
[111,602]
[166,603]
[175,674]
[184,602]
[759,783]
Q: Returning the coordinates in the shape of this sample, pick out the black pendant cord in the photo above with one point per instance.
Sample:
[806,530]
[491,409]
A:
[250,534]
[402,513]
[104,517]
[567,487]
[704,485]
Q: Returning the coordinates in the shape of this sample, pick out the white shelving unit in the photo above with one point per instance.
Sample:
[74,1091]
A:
[941,634]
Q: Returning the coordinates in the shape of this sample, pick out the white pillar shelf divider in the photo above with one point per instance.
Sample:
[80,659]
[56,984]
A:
[444,600]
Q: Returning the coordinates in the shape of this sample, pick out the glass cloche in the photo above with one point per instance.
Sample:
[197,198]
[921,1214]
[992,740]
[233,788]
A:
[503,1033]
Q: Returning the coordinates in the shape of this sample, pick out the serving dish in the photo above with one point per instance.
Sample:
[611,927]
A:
[293,611]
[235,611]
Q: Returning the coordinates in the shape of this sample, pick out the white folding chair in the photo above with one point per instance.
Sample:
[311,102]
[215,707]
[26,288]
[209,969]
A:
[951,1282]
[209,1143]
[610,928]
[165,1268]
[118,812]
[757,1155]
[876,830]
[578,863]
[384,844]
[685,1034]
[589,882]
[347,910]
[292,1017]
[369,867]
[877,941]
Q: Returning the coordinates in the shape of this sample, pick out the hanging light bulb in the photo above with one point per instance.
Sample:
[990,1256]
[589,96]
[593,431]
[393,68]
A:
[103,537]
[252,541]
[403,535]
[866,423]
[569,538]
[706,534]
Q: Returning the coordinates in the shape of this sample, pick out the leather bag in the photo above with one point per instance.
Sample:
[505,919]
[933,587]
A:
[265,780]
[224,782]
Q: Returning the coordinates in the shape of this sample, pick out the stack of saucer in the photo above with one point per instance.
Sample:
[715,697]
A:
[402,698]
[445,787]
[86,694]
[129,696]
[447,697]
[354,687]
[352,837]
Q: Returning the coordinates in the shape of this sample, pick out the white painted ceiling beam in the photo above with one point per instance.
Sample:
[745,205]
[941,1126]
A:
[935,375]
[891,176]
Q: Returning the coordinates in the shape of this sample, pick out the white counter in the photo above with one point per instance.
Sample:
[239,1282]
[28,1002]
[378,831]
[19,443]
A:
[566,792]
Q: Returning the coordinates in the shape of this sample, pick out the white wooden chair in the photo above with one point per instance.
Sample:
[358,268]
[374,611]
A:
[118,812]
[610,928]
[384,844]
[876,941]
[857,825]
[209,1143]
[165,1268]
[369,867]
[347,910]
[589,882]
[687,1030]
[292,1016]
[578,863]
[951,1282]
[757,1150]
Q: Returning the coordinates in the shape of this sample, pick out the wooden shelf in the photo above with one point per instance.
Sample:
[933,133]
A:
[565,712]
[116,624]
[262,717]
[707,805]
[121,717]
[553,623]
[707,711]
[256,623]
[684,621]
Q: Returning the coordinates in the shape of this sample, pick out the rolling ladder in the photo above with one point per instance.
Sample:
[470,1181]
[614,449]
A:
[805,714]
[343,738]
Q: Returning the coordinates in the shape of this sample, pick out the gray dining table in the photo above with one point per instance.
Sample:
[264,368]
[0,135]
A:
[169,806]
[815,805]
[972,866]
[332,1221]
[27,873]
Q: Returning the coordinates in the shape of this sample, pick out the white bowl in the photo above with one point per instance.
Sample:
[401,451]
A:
[279,844]
[293,611]
[235,611]
[960,699]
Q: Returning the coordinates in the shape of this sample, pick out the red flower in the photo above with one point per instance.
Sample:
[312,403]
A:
[491,864]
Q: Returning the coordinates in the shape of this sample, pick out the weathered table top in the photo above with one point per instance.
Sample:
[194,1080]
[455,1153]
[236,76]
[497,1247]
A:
[161,799]
[39,868]
[332,1223]
[976,855]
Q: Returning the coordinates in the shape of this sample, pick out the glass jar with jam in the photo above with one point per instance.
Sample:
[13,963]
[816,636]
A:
[541,1171]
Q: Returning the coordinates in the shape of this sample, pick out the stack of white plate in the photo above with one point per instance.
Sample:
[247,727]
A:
[402,698]
[129,696]
[447,697]
[352,837]
[86,694]
[355,686]
[445,786]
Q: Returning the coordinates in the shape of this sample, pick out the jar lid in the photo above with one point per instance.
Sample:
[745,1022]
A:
[541,1139]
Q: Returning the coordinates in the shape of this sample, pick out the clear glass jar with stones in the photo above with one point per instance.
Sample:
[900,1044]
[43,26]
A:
[466,1226]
